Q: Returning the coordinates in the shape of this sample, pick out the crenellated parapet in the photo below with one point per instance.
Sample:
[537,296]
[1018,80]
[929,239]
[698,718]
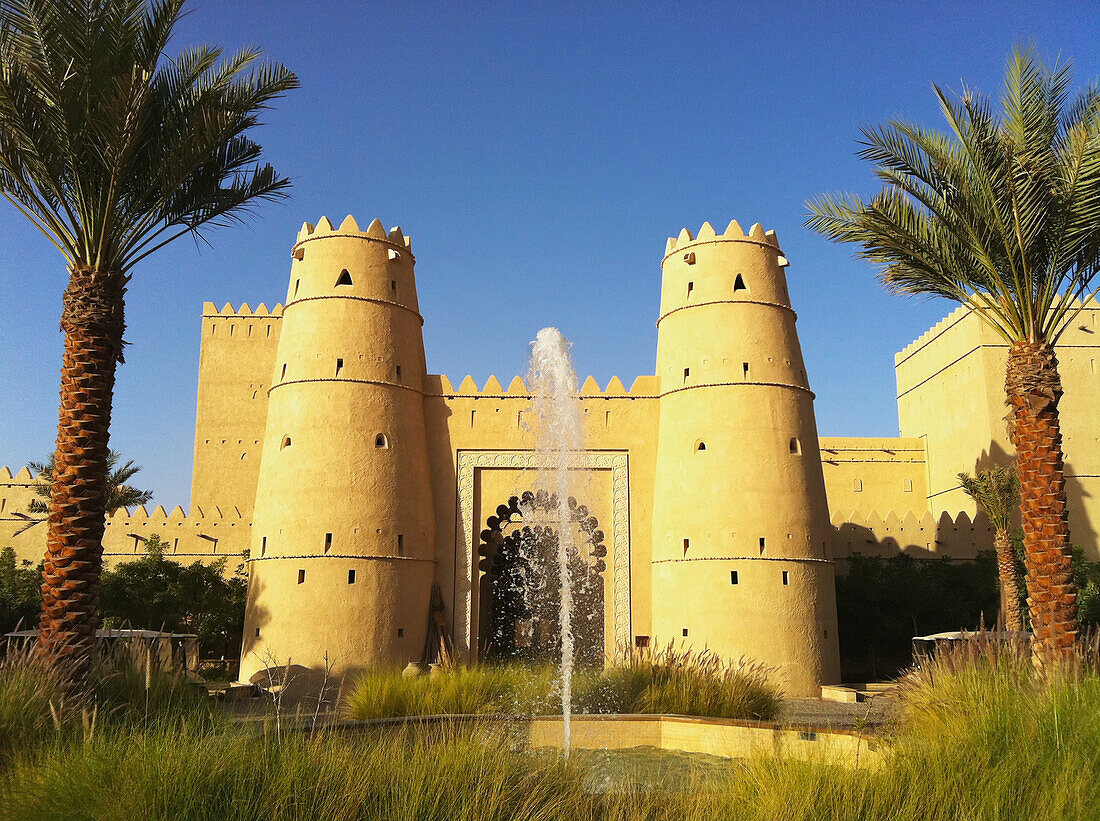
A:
[643,387]
[733,233]
[920,535]
[933,333]
[200,533]
[350,228]
[204,533]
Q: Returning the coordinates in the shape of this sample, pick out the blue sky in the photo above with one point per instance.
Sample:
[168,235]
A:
[539,154]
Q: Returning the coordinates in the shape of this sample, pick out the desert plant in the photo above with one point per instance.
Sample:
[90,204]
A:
[113,149]
[996,492]
[1001,214]
[642,681]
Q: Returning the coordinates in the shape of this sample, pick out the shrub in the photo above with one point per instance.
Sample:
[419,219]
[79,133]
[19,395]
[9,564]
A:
[681,682]
[506,689]
[644,681]
[882,603]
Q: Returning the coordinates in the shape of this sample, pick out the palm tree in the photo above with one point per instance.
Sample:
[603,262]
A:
[119,494]
[113,150]
[1000,213]
[996,492]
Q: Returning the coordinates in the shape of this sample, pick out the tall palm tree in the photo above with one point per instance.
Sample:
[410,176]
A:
[113,149]
[996,492]
[1001,213]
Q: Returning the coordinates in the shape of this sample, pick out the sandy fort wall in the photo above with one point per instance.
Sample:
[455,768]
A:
[236,361]
[868,474]
[206,535]
[951,394]
[920,535]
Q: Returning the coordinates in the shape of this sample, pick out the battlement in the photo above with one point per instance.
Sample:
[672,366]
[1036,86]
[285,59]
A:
[209,309]
[921,536]
[644,387]
[350,228]
[733,233]
[958,315]
[22,477]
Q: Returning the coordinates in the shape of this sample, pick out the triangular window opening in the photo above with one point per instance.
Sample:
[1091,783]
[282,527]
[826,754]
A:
[739,284]
[345,278]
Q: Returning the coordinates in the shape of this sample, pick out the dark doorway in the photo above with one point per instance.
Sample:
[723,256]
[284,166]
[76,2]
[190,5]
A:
[521,585]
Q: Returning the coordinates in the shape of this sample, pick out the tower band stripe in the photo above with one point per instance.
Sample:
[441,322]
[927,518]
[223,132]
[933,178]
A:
[738,384]
[381,240]
[779,305]
[353,381]
[697,242]
[357,299]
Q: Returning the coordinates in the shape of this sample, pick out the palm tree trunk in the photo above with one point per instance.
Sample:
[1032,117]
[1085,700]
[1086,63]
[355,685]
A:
[1033,389]
[92,321]
[1010,593]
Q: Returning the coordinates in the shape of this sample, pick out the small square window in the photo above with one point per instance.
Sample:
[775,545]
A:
[641,641]
[400,632]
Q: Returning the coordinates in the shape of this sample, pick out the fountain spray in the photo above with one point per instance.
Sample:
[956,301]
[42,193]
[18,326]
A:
[558,440]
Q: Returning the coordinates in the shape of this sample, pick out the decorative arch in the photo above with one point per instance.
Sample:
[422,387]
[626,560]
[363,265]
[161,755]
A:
[522,589]
[470,464]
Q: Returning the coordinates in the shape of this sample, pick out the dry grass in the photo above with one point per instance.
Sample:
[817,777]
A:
[981,737]
[642,681]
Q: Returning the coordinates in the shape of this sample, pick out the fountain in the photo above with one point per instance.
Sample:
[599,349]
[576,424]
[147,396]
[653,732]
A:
[553,385]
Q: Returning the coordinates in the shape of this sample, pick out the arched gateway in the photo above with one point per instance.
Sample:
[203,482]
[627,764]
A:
[520,591]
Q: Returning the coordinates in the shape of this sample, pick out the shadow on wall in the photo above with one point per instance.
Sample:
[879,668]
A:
[920,537]
[1082,530]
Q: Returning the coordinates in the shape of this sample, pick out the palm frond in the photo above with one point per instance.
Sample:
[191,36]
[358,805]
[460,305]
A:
[998,212]
[112,148]
[996,492]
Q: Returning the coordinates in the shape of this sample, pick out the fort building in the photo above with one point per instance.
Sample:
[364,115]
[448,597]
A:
[360,488]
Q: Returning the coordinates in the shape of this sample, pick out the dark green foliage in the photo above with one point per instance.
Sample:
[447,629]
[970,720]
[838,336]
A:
[156,593]
[20,592]
[883,603]
[1086,575]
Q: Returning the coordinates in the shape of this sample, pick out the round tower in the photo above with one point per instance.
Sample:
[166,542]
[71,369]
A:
[740,518]
[341,561]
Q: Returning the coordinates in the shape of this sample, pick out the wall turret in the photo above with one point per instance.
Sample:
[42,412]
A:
[740,519]
[342,556]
